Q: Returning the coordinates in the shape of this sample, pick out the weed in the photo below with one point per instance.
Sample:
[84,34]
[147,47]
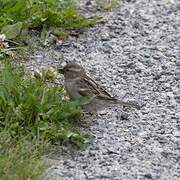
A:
[20,159]
[17,17]
[107,4]
[32,115]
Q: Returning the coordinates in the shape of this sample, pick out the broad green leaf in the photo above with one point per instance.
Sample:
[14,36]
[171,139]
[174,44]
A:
[12,31]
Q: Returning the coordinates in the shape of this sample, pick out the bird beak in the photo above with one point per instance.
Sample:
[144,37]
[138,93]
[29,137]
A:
[61,70]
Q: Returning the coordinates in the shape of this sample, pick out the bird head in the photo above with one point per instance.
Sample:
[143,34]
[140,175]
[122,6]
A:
[71,71]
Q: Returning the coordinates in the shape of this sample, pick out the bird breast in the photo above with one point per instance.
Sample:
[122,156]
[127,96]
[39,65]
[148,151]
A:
[72,89]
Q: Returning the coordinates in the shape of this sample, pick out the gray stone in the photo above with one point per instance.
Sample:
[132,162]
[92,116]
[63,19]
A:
[135,55]
[177,76]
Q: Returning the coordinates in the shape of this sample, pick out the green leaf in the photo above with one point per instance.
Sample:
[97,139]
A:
[12,31]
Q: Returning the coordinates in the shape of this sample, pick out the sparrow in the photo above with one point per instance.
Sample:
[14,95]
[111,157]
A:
[78,84]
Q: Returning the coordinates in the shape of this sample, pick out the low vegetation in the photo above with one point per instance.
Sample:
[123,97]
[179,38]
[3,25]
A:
[20,19]
[34,115]
[107,4]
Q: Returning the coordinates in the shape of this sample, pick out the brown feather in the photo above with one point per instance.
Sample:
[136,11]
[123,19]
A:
[91,88]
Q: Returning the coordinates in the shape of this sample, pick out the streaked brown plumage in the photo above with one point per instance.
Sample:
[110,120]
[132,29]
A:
[78,84]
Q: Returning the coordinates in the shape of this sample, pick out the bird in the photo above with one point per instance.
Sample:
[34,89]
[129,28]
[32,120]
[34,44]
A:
[78,84]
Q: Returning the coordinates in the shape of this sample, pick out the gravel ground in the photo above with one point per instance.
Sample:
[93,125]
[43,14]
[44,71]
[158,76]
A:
[135,56]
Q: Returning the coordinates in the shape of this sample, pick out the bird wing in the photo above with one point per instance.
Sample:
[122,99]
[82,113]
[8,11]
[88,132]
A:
[88,87]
